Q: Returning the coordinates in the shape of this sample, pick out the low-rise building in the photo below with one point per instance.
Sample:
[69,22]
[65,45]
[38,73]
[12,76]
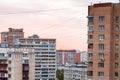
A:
[75,72]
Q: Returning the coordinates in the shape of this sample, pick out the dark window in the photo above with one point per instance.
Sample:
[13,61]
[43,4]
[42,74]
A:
[90,37]
[117,18]
[116,74]
[100,65]
[100,73]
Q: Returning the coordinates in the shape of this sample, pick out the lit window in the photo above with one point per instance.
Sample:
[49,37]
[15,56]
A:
[101,74]
[90,28]
[101,37]
[101,18]
[101,46]
[101,28]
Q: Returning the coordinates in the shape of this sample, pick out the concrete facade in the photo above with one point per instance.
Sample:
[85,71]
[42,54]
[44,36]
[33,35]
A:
[12,63]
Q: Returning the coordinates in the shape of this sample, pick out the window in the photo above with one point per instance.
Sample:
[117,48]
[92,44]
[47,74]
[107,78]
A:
[116,65]
[90,18]
[101,56]
[26,61]
[90,37]
[101,46]
[117,28]
[100,73]
[9,68]
[2,55]
[90,28]
[116,46]
[9,75]
[90,46]
[89,73]
[116,55]
[90,55]
[101,28]
[101,37]
[100,65]
[9,55]
[101,18]
[116,74]
[117,18]
[116,37]
[9,62]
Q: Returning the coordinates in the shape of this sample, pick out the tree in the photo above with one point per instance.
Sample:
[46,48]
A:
[60,74]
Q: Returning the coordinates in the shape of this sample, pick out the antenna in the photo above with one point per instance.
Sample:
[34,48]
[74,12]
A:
[91,3]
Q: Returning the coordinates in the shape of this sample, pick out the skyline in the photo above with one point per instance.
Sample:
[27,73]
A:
[64,20]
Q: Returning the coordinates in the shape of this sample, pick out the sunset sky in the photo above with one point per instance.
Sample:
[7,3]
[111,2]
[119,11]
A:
[64,20]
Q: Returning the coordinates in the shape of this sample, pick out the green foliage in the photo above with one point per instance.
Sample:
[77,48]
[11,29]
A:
[60,74]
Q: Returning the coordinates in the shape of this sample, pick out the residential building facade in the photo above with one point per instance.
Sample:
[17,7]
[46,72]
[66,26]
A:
[65,57]
[74,72]
[8,37]
[45,55]
[103,41]
[17,63]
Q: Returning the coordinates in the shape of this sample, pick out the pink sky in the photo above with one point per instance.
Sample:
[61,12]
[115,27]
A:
[64,20]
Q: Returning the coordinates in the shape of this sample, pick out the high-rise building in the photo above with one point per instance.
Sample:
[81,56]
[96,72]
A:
[17,63]
[103,41]
[7,38]
[45,55]
[65,57]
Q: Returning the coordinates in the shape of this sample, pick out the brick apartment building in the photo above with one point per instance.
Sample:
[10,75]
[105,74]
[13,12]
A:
[8,37]
[103,41]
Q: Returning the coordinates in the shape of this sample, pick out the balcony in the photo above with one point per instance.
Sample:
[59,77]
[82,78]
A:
[3,71]
[3,65]
[3,79]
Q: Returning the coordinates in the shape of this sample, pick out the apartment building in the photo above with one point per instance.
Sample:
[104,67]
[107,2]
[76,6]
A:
[45,55]
[74,72]
[17,63]
[103,41]
[8,37]
[65,57]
